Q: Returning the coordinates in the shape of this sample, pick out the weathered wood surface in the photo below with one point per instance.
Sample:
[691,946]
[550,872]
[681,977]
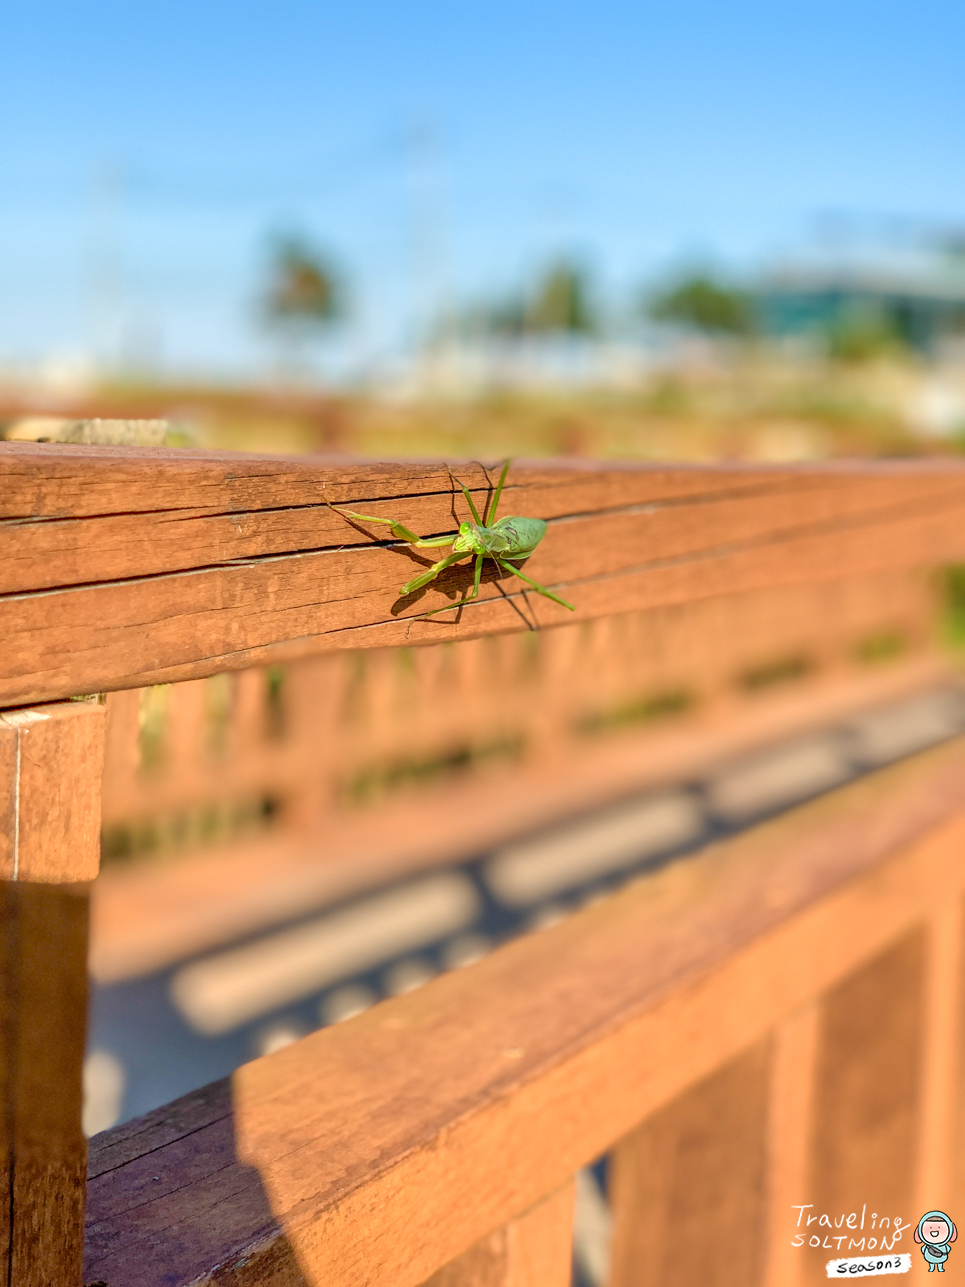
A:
[130,566]
[50,783]
[381,1149]
[50,775]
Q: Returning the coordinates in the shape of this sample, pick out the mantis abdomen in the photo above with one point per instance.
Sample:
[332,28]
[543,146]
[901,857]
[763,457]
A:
[524,534]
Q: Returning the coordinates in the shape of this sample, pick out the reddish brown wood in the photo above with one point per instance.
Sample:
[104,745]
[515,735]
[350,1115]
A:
[53,480]
[248,581]
[50,781]
[685,510]
[50,777]
[382,1148]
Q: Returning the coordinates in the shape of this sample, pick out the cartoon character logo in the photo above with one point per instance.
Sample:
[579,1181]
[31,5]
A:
[936,1233]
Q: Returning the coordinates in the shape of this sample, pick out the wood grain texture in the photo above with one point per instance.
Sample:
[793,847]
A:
[169,565]
[688,1186]
[43,993]
[534,1250]
[51,760]
[379,1150]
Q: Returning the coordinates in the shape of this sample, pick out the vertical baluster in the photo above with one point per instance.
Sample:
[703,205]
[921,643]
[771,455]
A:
[941,1071]
[688,1186]
[50,780]
[789,1129]
[867,1107]
[121,752]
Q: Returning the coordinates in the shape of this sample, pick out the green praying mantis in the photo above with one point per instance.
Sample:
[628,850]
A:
[506,541]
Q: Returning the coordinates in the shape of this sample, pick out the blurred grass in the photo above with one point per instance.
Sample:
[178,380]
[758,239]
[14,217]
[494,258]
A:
[753,408]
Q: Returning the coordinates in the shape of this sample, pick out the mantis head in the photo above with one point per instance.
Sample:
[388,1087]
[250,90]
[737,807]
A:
[467,540]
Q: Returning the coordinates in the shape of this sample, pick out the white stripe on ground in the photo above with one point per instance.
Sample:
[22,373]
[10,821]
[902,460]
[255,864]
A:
[884,735]
[777,778]
[223,991]
[524,873]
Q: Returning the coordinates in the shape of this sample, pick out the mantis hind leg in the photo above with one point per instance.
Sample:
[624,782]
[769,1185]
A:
[469,500]
[535,584]
[399,530]
[488,521]
[451,607]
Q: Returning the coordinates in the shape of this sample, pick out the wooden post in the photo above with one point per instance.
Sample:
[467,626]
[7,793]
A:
[534,1250]
[51,761]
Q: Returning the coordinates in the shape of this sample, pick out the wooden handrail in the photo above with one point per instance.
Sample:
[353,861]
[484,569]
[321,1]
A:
[129,566]
[384,1149]
[379,1150]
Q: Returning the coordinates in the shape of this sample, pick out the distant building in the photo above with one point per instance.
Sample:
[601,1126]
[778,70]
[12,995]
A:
[914,299]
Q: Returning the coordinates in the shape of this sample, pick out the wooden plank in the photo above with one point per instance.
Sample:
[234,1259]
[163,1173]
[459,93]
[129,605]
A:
[50,774]
[123,634]
[54,480]
[534,1250]
[265,570]
[679,516]
[380,1149]
[688,1185]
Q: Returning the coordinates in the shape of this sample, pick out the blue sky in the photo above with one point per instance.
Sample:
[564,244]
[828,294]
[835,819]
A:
[148,152]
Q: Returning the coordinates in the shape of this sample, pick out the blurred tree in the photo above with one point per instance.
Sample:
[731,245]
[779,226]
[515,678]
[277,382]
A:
[561,301]
[863,333]
[706,305]
[303,285]
[303,296]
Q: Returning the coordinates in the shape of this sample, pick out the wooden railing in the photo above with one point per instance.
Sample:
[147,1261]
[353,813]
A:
[773,1022]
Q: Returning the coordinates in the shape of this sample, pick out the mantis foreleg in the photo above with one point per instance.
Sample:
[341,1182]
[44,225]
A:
[535,584]
[430,574]
[399,530]
[469,597]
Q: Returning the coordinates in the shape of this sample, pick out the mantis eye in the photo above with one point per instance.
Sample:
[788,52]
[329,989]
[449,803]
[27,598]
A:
[465,529]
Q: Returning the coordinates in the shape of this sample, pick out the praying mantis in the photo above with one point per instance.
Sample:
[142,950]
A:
[506,541]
